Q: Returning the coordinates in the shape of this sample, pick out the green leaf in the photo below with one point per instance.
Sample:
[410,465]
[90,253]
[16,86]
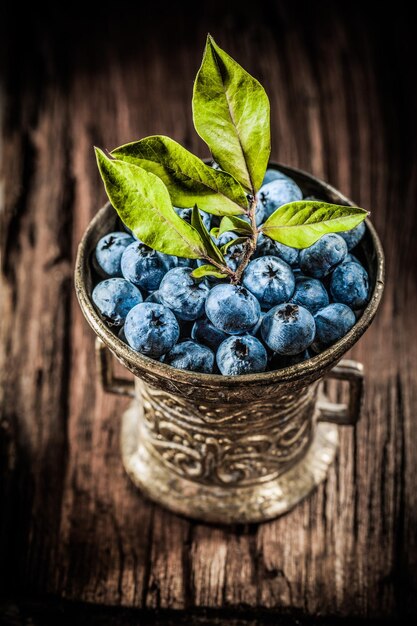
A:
[232,242]
[214,232]
[211,249]
[207,270]
[188,180]
[236,225]
[231,114]
[143,204]
[300,224]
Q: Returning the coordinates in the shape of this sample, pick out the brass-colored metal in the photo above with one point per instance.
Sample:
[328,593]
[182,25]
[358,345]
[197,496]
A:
[230,449]
[110,382]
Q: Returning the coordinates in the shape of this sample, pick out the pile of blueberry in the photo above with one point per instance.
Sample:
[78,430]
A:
[291,305]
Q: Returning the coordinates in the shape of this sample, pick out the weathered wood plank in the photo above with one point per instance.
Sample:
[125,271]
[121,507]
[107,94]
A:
[73,525]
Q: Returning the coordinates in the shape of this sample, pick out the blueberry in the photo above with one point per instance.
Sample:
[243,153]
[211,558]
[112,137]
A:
[322,257]
[241,355]
[332,323]
[232,308]
[153,297]
[310,293]
[278,361]
[192,356]
[288,329]
[121,334]
[270,280]
[108,253]
[184,295]
[278,192]
[349,284]
[273,174]
[353,237]
[151,329]
[114,297]
[234,255]
[172,261]
[255,330]
[185,214]
[205,332]
[350,258]
[226,237]
[143,266]
[269,247]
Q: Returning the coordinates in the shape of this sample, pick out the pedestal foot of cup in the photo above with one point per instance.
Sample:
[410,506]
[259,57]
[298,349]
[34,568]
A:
[223,504]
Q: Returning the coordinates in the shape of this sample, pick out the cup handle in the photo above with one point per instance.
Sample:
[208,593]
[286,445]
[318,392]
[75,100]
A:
[342,414]
[109,382]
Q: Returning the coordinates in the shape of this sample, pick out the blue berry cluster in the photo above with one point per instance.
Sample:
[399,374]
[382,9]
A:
[291,304]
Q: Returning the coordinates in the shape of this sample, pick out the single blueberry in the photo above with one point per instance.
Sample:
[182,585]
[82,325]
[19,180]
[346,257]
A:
[192,356]
[172,261]
[114,297]
[151,329]
[353,237]
[234,255]
[269,247]
[322,257]
[185,214]
[256,330]
[241,355]
[288,328]
[270,279]
[232,308]
[273,174]
[205,332]
[226,237]
[153,297]
[349,284]
[184,295]
[121,334]
[350,258]
[332,323]
[278,192]
[143,266]
[108,253]
[278,361]
[310,293]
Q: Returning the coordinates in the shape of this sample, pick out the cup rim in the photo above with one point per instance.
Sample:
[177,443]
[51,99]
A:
[321,361]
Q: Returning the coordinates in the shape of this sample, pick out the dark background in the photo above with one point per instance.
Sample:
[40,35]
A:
[342,85]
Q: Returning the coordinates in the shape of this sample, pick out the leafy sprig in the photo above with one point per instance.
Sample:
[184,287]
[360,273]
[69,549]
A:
[144,179]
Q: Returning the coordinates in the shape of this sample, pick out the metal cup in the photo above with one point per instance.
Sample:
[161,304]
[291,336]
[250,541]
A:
[230,449]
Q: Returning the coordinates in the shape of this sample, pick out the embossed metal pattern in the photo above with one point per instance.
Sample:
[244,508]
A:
[229,445]
[219,503]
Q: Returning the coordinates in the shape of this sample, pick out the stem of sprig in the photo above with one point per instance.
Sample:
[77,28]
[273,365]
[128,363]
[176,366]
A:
[251,242]
[250,247]
[225,269]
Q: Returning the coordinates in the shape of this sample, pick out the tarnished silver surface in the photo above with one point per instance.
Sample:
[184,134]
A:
[230,449]
[225,444]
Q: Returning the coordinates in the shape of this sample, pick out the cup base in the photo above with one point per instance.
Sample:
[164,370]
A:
[225,505]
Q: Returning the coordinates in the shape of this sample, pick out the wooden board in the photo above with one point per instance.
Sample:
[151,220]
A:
[73,528]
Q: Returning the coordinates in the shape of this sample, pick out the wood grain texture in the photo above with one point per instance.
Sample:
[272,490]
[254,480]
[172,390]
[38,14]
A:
[72,526]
